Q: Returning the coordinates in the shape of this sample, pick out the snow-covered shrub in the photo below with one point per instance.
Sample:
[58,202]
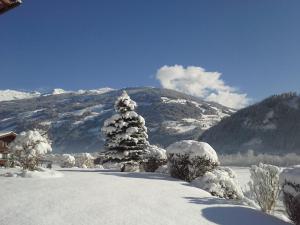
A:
[162,169]
[67,161]
[98,166]
[221,182]
[264,185]
[29,147]
[190,159]
[154,158]
[84,160]
[131,166]
[290,182]
[112,165]
[125,132]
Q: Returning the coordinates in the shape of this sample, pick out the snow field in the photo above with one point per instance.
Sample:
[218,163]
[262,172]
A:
[90,197]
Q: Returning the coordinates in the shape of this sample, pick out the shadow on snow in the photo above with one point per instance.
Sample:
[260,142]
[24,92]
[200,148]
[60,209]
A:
[151,176]
[230,212]
[238,215]
[86,170]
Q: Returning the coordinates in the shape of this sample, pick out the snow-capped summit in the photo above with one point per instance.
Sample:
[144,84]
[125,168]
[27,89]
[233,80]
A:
[58,91]
[95,91]
[8,95]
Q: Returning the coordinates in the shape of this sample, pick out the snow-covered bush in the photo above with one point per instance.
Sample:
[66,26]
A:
[162,169]
[29,147]
[84,160]
[125,132]
[264,185]
[154,158]
[67,161]
[112,165]
[221,182]
[131,166]
[190,159]
[290,182]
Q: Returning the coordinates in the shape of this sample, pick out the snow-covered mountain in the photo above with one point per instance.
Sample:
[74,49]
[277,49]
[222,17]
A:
[74,119]
[8,95]
[271,126]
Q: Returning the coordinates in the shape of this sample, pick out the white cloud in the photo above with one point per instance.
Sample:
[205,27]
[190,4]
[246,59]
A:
[196,81]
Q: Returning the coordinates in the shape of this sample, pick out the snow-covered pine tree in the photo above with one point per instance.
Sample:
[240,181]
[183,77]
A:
[125,132]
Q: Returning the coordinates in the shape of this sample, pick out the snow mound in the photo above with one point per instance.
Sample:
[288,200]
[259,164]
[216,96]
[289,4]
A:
[221,182]
[193,149]
[39,173]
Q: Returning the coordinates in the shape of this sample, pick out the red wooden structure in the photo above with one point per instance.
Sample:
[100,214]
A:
[5,139]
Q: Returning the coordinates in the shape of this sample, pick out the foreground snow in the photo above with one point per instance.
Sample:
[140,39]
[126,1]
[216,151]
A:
[85,197]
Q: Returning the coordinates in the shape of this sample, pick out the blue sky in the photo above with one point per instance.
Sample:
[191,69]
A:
[72,45]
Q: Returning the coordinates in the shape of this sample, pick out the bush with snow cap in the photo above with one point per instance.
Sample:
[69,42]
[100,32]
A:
[125,133]
[290,182]
[154,158]
[264,185]
[162,169]
[28,148]
[190,159]
[67,161]
[84,160]
[221,182]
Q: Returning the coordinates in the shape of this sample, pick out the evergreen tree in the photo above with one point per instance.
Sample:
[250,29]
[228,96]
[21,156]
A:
[125,132]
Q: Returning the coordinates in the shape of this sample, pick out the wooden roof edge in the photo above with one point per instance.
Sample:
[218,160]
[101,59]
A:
[9,2]
[6,6]
[4,134]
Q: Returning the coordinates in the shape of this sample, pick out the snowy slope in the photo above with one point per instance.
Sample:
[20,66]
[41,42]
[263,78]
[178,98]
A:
[113,198]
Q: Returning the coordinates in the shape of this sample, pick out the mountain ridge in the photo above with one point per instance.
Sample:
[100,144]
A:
[270,126]
[73,120]
[10,95]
